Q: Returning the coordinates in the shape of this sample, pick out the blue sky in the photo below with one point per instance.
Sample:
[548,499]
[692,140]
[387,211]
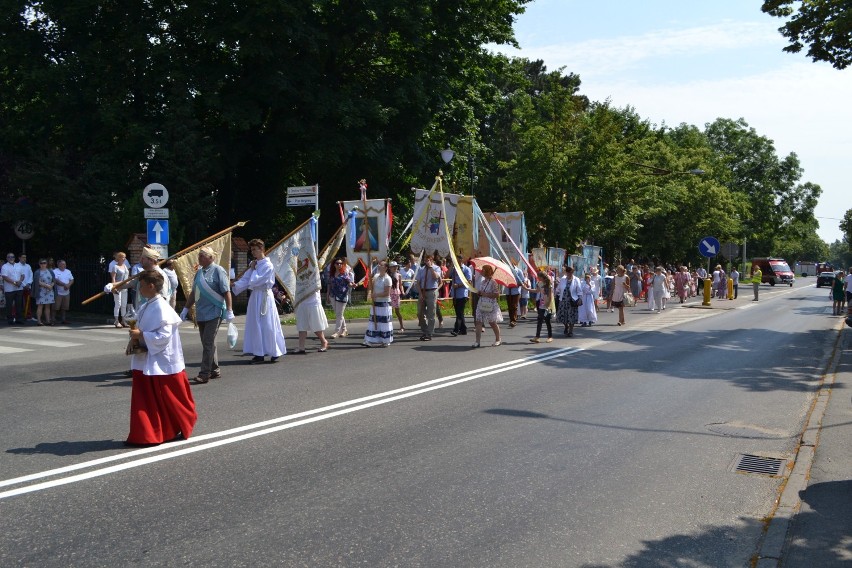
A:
[691,61]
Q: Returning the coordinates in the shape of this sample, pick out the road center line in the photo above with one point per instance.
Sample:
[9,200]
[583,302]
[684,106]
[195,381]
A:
[314,416]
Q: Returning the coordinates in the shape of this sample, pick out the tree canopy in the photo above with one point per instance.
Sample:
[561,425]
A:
[229,103]
[824,26]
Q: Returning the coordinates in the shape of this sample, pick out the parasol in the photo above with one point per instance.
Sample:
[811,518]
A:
[503,273]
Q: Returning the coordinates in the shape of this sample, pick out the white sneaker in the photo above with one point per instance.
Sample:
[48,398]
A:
[335,335]
[33,319]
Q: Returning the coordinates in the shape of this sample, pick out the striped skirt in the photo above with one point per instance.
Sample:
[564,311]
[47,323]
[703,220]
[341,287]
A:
[380,326]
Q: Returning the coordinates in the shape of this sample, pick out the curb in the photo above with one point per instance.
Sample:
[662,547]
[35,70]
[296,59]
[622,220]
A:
[775,542]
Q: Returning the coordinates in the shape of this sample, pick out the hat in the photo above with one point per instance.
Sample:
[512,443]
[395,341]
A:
[393,263]
[150,253]
[207,251]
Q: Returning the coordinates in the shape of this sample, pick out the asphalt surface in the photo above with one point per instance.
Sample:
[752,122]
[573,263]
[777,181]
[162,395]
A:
[612,448]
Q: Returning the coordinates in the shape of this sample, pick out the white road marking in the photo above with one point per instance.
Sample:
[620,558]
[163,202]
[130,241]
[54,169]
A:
[172,450]
[8,350]
[88,337]
[42,342]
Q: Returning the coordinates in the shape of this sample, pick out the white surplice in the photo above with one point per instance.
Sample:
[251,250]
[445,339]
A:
[263,336]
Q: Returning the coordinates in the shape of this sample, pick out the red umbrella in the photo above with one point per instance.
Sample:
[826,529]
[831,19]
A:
[503,273]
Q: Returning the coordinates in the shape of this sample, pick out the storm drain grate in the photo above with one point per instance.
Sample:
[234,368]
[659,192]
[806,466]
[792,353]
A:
[761,465]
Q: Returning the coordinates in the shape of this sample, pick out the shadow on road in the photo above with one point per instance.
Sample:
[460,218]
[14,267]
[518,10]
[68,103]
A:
[69,448]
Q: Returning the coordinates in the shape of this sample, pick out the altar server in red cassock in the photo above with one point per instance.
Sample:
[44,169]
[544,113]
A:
[161,404]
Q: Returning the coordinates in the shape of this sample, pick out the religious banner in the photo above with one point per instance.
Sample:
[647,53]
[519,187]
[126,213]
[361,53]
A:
[427,232]
[466,229]
[186,265]
[555,259]
[368,228]
[295,261]
[516,231]
[539,257]
[590,257]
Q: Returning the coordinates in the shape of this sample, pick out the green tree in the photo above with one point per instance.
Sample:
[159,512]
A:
[777,207]
[824,26]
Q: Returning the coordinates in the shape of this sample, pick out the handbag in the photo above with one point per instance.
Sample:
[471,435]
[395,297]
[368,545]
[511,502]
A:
[577,303]
[629,300]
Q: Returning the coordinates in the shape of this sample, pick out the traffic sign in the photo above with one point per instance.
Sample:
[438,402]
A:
[302,190]
[24,230]
[155,195]
[709,246]
[151,213]
[158,231]
[302,200]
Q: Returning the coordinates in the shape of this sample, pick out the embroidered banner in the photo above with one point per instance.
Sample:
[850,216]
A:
[428,233]
[517,232]
[367,235]
[466,229]
[186,264]
[539,257]
[295,263]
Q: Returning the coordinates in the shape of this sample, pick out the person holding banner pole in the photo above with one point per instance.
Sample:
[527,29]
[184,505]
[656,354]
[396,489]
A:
[211,296]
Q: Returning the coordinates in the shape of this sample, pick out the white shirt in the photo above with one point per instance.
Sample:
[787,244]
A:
[62,277]
[11,270]
[381,286]
[848,281]
[28,273]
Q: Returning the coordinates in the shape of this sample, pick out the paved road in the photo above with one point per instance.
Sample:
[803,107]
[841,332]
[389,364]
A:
[613,448]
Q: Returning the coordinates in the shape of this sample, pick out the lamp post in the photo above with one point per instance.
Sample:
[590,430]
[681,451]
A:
[447,154]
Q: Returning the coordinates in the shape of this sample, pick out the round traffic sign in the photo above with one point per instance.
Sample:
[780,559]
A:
[24,230]
[709,246]
[155,195]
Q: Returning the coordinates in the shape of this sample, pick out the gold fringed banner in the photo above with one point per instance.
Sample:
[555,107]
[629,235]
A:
[186,265]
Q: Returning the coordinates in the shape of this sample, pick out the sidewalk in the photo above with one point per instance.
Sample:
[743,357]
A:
[820,532]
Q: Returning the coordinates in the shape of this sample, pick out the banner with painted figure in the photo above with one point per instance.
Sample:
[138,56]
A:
[295,262]
[539,257]
[583,263]
[368,230]
[555,259]
[427,232]
[517,231]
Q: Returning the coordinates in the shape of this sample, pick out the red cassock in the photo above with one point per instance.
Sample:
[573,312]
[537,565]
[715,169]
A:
[161,407]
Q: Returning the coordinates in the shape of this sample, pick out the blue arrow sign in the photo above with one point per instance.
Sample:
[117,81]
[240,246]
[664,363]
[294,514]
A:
[158,231]
[709,247]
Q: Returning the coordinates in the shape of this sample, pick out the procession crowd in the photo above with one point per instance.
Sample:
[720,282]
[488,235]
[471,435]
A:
[162,406]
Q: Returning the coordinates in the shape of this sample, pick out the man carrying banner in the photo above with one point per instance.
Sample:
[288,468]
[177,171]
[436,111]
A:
[426,283]
[211,296]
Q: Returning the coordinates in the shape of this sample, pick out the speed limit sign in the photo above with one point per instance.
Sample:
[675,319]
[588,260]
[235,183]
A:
[24,230]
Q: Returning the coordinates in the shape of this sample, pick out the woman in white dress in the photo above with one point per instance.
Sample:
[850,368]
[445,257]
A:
[488,306]
[588,313]
[263,336]
[380,326]
[120,272]
[310,317]
[660,283]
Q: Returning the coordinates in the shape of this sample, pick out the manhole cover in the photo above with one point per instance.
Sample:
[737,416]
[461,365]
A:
[759,465]
[744,430]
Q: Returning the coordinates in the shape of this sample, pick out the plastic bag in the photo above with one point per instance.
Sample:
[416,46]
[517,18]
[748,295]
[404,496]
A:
[233,335]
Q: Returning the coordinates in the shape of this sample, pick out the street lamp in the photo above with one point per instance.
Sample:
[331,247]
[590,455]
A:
[447,154]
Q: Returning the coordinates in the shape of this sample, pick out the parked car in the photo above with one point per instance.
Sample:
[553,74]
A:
[825,279]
